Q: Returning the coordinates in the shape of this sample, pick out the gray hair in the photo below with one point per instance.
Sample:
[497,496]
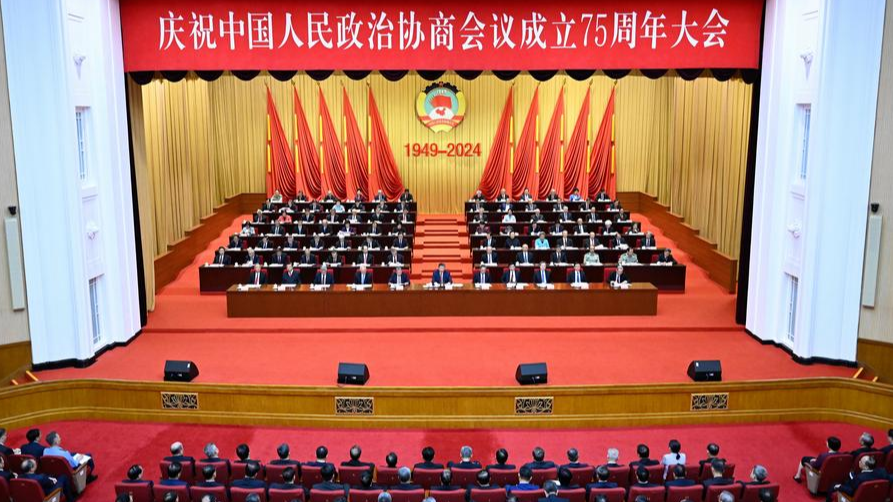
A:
[404,474]
[726,496]
[466,452]
[613,454]
[867,439]
[429,499]
[176,448]
[760,472]
[384,497]
[211,450]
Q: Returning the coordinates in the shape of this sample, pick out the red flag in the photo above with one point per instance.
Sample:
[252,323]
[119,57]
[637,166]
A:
[497,170]
[524,173]
[307,155]
[280,162]
[384,173]
[601,168]
[551,151]
[575,168]
[357,163]
[332,155]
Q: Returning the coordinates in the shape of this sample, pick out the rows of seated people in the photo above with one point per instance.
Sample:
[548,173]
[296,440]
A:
[863,474]
[36,471]
[284,479]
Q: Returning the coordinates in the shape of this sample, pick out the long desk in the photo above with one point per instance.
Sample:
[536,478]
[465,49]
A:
[339,301]
[214,279]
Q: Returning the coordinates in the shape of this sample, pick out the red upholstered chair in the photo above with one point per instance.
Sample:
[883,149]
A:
[14,462]
[653,494]
[713,491]
[29,490]
[324,495]
[619,475]
[834,471]
[237,469]
[274,472]
[608,272]
[449,496]
[181,491]
[407,495]
[387,476]
[889,463]
[350,474]
[465,477]
[503,477]
[870,491]
[240,494]
[878,458]
[654,258]
[222,469]
[426,477]
[59,466]
[692,472]
[581,475]
[751,493]
[219,492]
[285,495]
[540,476]
[528,495]
[678,493]
[707,472]
[611,494]
[357,495]
[310,475]
[4,490]
[655,474]
[638,243]
[573,495]
[187,474]
[487,494]
[140,492]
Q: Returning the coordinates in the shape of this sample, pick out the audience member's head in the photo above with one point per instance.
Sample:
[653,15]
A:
[483,477]
[602,473]
[176,448]
[833,443]
[446,477]
[209,472]
[641,498]
[759,473]
[355,452]
[321,453]
[613,455]
[679,471]
[242,451]
[283,451]
[135,472]
[712,450]
[29,466]
[539,454]
[601,498]
[642,451]
[288,475]
[718,467]
[172,497]
[642,474]
[252,497]
[124,497]
[465,453]
[53,438]
[550,487]
[525,474]
[573,455]
[173,470]
[502,456]
[208,497]
[391,459]
[767,495]
[866,440]
[675,448]
[211,450]
[251,469]
[366,480]
[428,454]
[726,496]
[565,476]
[384,497]
[327,472]
[868,463]
[890,435]
[404,475]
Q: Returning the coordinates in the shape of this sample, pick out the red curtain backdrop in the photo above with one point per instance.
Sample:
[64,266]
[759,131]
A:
[357,154]
[524,173]
[332,155]
[309,179]
[550,154]
[497,171]
[575,166]
[601,168]
[384,174]
[280,162]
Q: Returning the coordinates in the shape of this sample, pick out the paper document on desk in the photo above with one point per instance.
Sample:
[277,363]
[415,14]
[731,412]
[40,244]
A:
[81,458]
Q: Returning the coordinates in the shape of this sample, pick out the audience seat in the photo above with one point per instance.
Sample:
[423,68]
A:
[240,494]
[835,470]
[274,473]
[692,472]
[325,495]
[310,476]
[654,493]
[222,469]
[869,491]
[350,474]
[465,477]
[878,457]
[286,495]
[528,495]
[678,493]
[573,494]
[449,496]
[654,258]
[608,272]
[29,490]
[356,495]
[408,495]
[581,475]
[611,494]
[540,476]
[504,477]
[140,492]
[219,492]
[619,475]
[655,474]
[4,490]
[181,491]
[713,491]
[485,495]
[59,466]
[387,476]
[14,462]
[889,463]
[707,473]
[751,493]
[187,474]
[427,477]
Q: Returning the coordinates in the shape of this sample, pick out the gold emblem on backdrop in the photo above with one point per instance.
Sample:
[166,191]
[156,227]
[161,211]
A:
[441,106]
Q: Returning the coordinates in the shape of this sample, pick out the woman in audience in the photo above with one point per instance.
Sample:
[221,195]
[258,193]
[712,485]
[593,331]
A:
[674,457]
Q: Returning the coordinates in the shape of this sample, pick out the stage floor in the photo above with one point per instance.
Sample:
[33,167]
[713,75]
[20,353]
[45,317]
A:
[436,351]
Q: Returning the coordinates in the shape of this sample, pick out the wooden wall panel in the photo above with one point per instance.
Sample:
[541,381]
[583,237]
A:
[15,358]
[878,356]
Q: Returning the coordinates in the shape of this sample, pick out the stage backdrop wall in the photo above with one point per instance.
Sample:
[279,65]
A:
[683,141]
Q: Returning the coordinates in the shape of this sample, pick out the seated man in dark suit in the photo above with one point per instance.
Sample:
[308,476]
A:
[666,257]
[525,474]
[524,257]
[511,275]
[290,243]
[404,478]
[502,455]
[717,468]
[135,476]
[428,460]
[283,452]
[235,242]
[257,276]
[327,471]
[446,483]
[513,242]
[602,474]
[288,483]
[290,275]
[542,275]
[616,279]
[559,256]
[679,478]
[441,276]
[366,482]
[174,470]
[3,448]
[279,258]
[868,471]
[324,276]
[355,453]
[47,483]
[758,476]
[307,258]
[712,454]
[539,460]
[643,478]
[243,454]
[252,469]
[887,449]
[482,276]
[398,276]
[177,454]
[212,456]
[363,277]
[209,475]
[322,454]
[573,455]
[833,444]
[365,257]
[866,445]
[395,258]
[643,452]
[220,258]
[33,446]
[483,483]
[576,276]
[550,488]
[465,461]
[566,479]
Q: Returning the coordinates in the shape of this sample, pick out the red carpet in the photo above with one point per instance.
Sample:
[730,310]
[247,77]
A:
[698,324]
[778,446]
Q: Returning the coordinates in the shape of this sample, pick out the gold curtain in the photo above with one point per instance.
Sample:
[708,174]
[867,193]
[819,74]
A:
[684,142]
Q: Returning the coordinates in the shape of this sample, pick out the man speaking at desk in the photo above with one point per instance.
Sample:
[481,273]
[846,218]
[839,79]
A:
[441,277]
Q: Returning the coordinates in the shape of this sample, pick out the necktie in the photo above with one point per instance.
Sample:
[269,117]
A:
[257,278]
[512,277]
[363,278]
[576,276]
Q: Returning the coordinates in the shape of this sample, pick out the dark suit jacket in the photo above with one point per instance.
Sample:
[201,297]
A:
[645,461]
[680,482]
[855,453]
[428,465]
[172,482]
[209,484]
[540,277]
[474,464]
[599,485]
[521,258]
[358,278]
[33,449]
[400,243]
[482,278]
[818,461]
[552,498]
[281,259]
[564,243]
[716,481]
[328,279]
[558,257]
[368,260]
[43,480]
[331,487]
[403,279]
[490,258]
[405,487]
[622,278]
[513,242]
[571,275]
[222,260]
[253,259]
[445,279]
[7,475]
[443,488]
[648,243]
[248,483]
[545,464]
[399,258]
[358,463]
[234,242]
[294,278]
[253,278]
[662,259]
[506,276]
[284,486]
[853,483]
[307,260]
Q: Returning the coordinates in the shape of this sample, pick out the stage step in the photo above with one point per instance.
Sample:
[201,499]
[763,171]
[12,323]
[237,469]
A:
[441,238]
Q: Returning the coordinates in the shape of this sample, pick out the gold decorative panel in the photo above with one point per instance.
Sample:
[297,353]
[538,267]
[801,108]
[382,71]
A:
[533,405]
[710,402]
[354,406]
[179,400]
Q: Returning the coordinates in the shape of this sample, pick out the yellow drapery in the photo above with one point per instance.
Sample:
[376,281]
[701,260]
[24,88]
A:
[684,142]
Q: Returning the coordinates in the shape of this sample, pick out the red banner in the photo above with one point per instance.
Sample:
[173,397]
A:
[457,35]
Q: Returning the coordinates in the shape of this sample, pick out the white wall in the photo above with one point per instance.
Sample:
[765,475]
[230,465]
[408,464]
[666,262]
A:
[825,54]
[64,54]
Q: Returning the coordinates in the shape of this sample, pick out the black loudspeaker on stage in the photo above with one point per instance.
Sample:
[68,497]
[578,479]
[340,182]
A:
[705,371]
[353,373]
[180,371]
[532,373]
